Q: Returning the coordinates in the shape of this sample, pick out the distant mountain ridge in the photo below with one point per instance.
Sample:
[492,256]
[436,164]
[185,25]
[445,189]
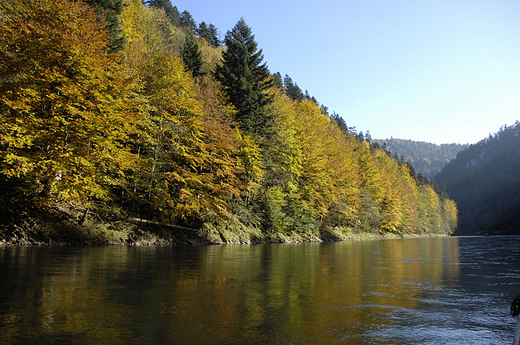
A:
[426,158]
[484,180]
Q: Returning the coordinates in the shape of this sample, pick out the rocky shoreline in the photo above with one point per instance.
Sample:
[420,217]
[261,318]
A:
[65,226]
[141,237]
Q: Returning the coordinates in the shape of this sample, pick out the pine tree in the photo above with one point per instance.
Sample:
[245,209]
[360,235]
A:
[111,9]
[277,80]
[245,79]
[192,56]
[209,33]
[292,89]
[204,32]
[215,41]
[188,23]
[341,123]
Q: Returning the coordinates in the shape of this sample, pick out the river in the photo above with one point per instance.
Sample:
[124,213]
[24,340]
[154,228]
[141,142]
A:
[410,291]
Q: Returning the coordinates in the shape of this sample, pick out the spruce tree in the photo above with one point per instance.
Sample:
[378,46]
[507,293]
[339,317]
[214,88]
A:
[204,32]
[209,33]
[277,80]
[111,9]
[192,56]
[292,89]
[245,79]
[215,41]
[188,23]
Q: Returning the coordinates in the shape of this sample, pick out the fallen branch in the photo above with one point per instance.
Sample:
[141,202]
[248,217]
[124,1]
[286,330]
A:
[146,221]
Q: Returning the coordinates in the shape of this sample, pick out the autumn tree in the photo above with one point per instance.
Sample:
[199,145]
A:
[283,208]
[329,179]
[66,109]
[429,208]
[144,133]
[110,11]
[150,27]
[171,11]
[184,172]
[245,79]
[450,215]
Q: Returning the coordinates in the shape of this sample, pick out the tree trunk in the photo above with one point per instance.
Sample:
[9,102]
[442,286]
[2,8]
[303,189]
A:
[84,218]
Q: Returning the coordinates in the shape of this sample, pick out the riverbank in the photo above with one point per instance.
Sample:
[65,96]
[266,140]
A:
[70,226]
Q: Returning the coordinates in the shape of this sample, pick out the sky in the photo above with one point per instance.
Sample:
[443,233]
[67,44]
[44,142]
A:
[440,71]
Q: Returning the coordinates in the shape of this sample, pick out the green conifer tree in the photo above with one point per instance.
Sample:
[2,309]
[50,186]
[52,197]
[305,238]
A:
[188,23]
[245,79]
[292,89]
[204,32]
[277,80]
[192,56]
[111,9]
[215,41]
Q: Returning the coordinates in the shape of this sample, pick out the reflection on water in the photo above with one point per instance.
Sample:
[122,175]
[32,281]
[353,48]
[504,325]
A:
[439,291]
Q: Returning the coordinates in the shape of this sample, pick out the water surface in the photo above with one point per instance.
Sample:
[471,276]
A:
[426,291]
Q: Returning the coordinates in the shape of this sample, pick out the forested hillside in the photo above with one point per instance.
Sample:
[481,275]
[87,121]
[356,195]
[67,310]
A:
[114,111]
[484,180]
[427,159]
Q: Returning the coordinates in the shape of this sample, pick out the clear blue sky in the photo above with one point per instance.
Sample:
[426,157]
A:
[440,71]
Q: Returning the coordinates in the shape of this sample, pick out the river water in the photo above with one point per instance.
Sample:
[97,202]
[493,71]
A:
[411,291]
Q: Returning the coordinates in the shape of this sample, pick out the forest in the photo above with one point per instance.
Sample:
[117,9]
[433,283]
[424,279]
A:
[426,158]
[483,180]
[117,112]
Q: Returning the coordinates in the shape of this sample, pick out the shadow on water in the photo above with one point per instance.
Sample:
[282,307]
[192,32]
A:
[438,290]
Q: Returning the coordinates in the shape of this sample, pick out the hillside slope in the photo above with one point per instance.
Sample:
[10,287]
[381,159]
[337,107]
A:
[484,180]
[427,159]
[177,131]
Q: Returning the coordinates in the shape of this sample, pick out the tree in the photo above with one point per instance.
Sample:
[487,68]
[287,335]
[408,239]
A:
[186,147]
[341,123]
[110,10]
[192,56]
[277,80]
[151,27]
[204,32]
[209,34]
[292,89]
[215,41]
[171,11]
[245,79]
[65,106]
[188,23]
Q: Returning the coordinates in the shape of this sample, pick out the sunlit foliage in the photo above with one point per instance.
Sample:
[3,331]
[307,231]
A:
[65,105]
[197,137]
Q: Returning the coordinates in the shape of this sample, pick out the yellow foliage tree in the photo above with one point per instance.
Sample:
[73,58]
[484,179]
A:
[66,110]
[450,215]
[189,162]
[429,206]
[329,178]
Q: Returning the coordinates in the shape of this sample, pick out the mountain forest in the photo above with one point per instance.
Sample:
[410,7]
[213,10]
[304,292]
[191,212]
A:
[484,182]
[121,119]
[426,158]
